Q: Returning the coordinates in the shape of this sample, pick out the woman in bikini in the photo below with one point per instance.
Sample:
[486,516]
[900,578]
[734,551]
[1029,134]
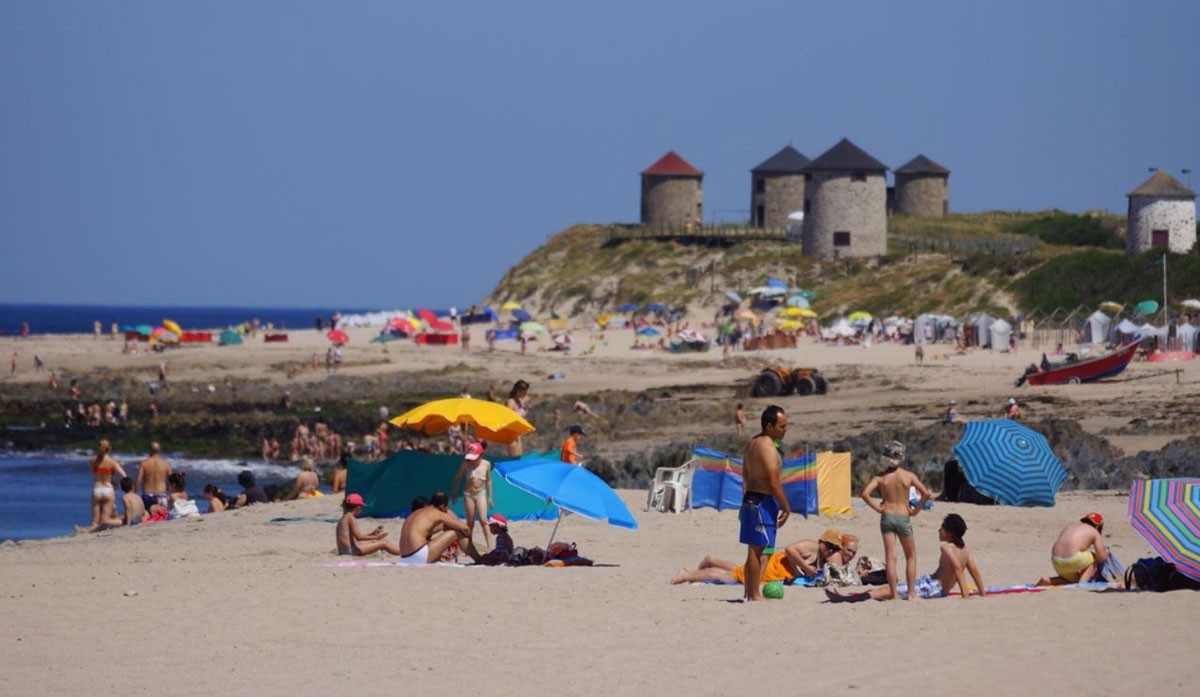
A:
[477,490]
[104,496]
[518,401]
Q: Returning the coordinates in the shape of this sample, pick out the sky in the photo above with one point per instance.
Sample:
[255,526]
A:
[394,154]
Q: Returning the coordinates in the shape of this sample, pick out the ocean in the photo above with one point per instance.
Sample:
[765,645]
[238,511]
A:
[79,319]
[47,494]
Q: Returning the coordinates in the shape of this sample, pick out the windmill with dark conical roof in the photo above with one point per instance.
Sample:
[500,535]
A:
[672,192]
[846,208]
[923,188]
[1162,213]
[777,188]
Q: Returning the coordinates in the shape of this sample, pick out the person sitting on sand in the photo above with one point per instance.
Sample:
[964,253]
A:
[251,491]
[339,475]
[351,542]
[952,416]
[498,524]
[896,511]
[104,497]
[569,453]
[215,497]
[429,531]
[1079,552]
[800,558]
[953,564]
[135,510]
[306,482]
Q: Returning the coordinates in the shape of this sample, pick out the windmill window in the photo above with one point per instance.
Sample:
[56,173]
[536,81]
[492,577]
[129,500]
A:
[760,185]
[858,177]
[841,239]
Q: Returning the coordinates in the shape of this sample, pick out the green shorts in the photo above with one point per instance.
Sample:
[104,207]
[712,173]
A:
[899,524]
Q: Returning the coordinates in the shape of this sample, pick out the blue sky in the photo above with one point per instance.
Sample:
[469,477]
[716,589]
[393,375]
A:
[384,154]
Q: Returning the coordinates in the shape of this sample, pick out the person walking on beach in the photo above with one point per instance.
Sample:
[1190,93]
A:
[739,419]
[764,506]
[14,364]
[518,401]
[104,496]
[476,477]
[1079,552]
[351,542]
[895,512]
[569,452]
[954,562]
[152,477]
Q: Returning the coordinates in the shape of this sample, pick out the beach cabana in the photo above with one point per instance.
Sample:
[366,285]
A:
[230,338]
[1001,332]
[983,330]
[1098,325]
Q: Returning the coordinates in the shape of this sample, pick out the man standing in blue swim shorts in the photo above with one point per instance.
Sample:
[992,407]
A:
[764,506]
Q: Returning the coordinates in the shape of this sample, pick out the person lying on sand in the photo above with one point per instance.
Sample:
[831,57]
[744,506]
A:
[1078,553]
[352,542]
[954,563]
[429,531]
[800,558]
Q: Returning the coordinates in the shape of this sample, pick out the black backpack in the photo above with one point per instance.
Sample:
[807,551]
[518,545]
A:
[1157,574]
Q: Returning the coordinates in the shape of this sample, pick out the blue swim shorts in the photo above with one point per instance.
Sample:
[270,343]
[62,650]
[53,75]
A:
[758,515]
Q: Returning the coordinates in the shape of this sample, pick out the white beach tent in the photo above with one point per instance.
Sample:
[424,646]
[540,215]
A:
[983,325]
[1001,334]
[1185,336]
[1125,331]
[1098,324]
[840,327]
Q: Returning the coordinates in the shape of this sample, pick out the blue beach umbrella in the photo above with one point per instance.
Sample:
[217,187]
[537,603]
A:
[776,283]
[1009,462]
[655,307]
[649,331]
[733,296]
[521,316]
[627,307]
[569,487]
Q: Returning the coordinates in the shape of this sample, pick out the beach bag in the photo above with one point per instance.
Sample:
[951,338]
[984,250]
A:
[561,550]
[1148,574]
[183,508]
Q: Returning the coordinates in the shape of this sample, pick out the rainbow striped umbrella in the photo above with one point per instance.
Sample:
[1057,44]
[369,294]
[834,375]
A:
[1166,513]
[1010,463]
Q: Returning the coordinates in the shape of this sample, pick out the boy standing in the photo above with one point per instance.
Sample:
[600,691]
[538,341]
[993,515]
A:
[352,542]
[896,512]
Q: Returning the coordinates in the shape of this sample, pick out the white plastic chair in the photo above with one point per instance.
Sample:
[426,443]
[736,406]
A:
[671,489]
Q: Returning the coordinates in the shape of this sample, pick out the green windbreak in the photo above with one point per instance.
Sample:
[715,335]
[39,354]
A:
[389,486]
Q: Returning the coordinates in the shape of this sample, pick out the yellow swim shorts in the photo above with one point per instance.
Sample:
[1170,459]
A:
[1071,567]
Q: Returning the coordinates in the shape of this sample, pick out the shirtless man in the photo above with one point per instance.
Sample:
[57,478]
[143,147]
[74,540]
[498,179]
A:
[895,512]
[800,558]
[351,542]
[152,477]
[429,531]
[764,506]
[1079,552]
[954,563]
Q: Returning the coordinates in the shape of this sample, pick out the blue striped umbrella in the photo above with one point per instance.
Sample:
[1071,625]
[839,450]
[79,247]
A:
[1010,463]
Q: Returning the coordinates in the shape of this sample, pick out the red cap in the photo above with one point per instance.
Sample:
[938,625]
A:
[1093,518]
[497,519]
[355,500]
[474,451]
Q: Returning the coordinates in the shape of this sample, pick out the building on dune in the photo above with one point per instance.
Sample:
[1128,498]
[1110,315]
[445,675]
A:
[922,188]
[777,188]
[846,204]
[672,192]
[1162,213]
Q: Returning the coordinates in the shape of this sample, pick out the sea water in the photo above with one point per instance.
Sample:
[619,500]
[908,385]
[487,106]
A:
[47,494]
[80,319]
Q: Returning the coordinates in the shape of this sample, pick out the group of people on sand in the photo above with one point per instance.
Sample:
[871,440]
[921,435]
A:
[1078,555]
[159,492]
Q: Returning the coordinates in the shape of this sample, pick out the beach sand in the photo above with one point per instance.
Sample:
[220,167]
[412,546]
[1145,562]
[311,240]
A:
[235,603]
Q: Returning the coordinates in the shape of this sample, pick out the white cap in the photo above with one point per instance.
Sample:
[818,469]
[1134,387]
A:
[1012,400]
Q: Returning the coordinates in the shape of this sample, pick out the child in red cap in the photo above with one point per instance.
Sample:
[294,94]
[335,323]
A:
[352,542]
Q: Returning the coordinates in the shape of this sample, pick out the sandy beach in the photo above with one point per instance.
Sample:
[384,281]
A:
[239,602]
